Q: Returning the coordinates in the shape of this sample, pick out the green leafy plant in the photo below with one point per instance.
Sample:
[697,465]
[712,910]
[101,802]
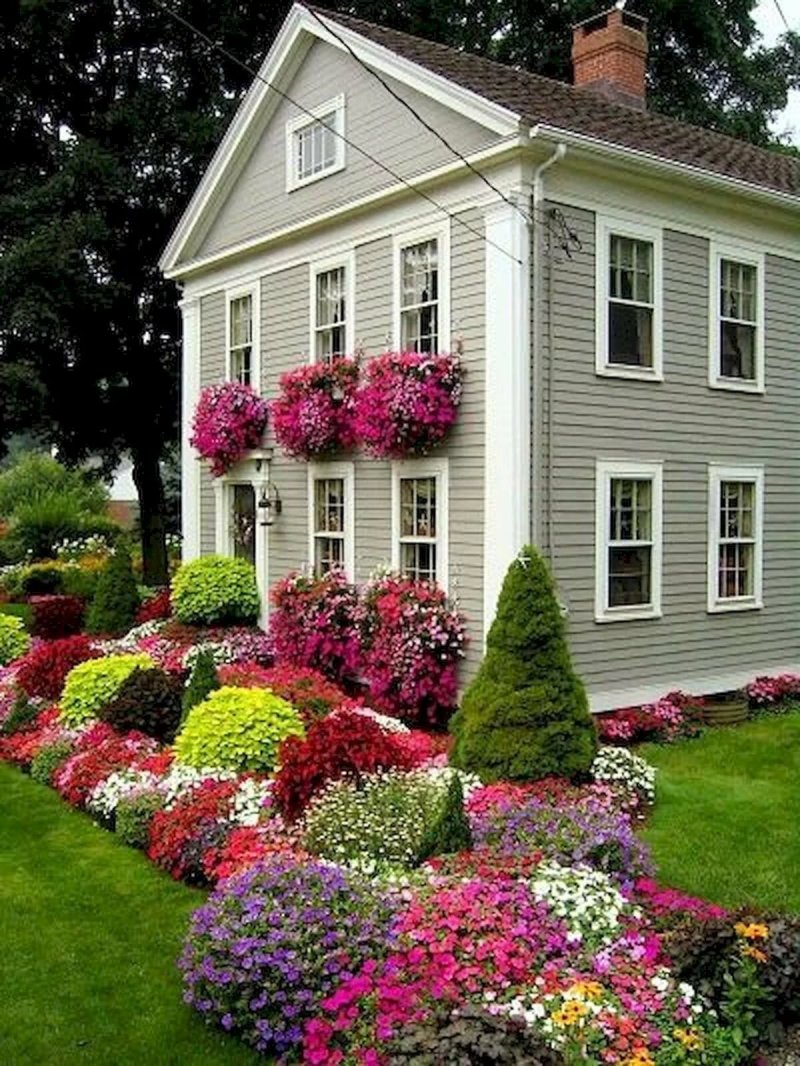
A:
[14,639]
[525,715]
[22,714]
[216,590]
[449,832]
[203,681]
[48,759]
[93,684]
[237,729]
[116,600]
[148,700]
[134,815]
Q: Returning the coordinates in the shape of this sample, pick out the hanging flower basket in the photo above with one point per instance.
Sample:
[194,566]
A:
[407,403]
[314,414]
[230,419]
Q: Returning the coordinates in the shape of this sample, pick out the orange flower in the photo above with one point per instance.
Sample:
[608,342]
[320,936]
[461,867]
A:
[753,931]
[754,953]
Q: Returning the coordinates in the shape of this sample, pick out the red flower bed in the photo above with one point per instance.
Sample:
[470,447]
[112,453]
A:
[246,846]
[22,747]
[181,837]
[345,743]
[44,669]
[100,751]
[55,617]
[157,609]
[308,691]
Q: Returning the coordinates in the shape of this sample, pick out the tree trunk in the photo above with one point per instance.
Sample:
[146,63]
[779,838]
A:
[150,487]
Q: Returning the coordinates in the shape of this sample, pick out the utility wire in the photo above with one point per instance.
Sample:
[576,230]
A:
[177,17]
[780,12]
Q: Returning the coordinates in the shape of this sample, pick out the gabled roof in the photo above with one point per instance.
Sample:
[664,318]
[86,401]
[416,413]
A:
[542,101]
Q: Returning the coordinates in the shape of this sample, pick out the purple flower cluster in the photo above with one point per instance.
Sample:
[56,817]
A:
[273,942]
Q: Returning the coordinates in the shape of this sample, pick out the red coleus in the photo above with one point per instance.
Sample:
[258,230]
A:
[181,836]
[100,751]
[155,609]
[55,617]
[44,669]
[344,744]
[308,691]
[22,747]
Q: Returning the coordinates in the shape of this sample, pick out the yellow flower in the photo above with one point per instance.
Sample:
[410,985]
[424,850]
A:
[591,990]
[570,1013]
[753,931]
[640,1057]
[691,1040]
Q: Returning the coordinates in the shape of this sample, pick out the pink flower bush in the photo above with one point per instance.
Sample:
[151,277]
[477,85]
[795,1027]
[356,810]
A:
[407,403]
[229,420]
[314,415]
[673,716]
[767,691]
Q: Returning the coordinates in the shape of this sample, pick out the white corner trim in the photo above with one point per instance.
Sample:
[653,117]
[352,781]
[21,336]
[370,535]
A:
[320,266]
[717,473]
[605,226]
[438,468]
[253,290]
[305,119]
[740,253]
[345,471]
[606,471]
[190,468]
[404,238]
[507,441]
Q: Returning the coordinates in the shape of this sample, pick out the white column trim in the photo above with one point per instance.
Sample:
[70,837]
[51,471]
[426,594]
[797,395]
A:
[508,399]
[190,391]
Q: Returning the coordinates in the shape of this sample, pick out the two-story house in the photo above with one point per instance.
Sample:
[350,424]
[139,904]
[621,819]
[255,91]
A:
[626,292]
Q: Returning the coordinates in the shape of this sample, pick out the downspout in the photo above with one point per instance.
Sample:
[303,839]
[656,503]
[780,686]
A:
[542,536]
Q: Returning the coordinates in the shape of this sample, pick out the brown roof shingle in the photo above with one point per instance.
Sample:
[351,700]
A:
[541,100]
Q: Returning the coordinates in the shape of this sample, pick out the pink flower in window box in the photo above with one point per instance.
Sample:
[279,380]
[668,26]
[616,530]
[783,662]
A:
[229,420]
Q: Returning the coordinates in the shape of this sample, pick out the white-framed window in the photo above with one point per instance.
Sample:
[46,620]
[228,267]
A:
[629,300]
[314,143]
[736,335]
[242,362]
[420,505]
[422,291]
[331,517]
[628,540]
[332,309]
[735,537]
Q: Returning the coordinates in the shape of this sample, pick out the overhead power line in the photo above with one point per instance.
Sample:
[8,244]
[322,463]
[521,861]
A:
[780,12]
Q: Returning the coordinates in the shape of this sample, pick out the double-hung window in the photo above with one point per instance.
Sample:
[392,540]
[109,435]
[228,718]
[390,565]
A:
[628,540]
[332,310]
[737,320]
[331,526]
[242,337]
[735,538]
[629,295]
[420,520]
[315,144]
[420,312]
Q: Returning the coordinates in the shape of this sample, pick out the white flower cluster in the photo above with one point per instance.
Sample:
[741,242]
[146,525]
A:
[587,900]
[121,784]
[77,547]
[220,653]
[443,775]
[182,779]
[385,721]
[248,801]
[619,766]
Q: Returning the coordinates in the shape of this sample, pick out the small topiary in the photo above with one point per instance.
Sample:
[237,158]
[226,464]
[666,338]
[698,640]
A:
[48,759]
[203,680]
[133,818]
[148,701]
[14,641]
[116,600]
[93,684]
[216,590]
[449,833]
[23,713]
[237,729]
[525,715]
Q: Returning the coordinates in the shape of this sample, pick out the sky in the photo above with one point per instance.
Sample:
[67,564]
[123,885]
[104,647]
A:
[771,26]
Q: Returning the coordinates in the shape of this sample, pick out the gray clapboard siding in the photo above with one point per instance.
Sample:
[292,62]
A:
[258,201]
[687,425]
[212,370]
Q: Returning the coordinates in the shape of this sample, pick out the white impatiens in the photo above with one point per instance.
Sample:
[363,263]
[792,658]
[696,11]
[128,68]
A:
[618,766]
[182,779]
[121,784]
[249,801]
[588,901]
[386,723]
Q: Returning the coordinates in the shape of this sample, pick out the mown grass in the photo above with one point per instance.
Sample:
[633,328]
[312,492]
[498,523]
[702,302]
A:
[89,934]
[726,825]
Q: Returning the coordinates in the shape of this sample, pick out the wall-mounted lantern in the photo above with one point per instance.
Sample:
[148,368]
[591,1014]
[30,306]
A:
[269,504]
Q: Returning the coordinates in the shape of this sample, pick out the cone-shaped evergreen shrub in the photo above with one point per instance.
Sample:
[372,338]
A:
[203,681]
[116,600]
[525,715]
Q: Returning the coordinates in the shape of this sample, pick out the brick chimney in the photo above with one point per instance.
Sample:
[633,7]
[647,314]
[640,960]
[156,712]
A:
[609,54]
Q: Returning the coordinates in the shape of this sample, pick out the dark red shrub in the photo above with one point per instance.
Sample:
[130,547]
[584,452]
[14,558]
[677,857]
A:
[181,836]
[55,617]
[44,669]
[345,743]
[308,691]
[155,609]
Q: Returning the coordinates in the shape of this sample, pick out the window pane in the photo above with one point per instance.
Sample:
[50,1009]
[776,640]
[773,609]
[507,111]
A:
[328,553]
[419,330]
[330,297]
[630,335]
[419,265]
[241,365]
[628,576]
[418,507]
[329,505]
[738,290]
[418,561]
[735,570]
[241,316]
[315,146]
[630,509]
[631,269]
[737,350]
[243,522]
[736,509]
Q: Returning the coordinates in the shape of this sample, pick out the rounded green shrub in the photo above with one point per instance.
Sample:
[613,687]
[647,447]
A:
[116,599]
[48,759]
[216,590]
[14,640]
[93,684]
[134,815]
[237,729]
[525,715]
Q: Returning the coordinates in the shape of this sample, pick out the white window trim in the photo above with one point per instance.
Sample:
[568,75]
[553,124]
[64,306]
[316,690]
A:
[321,266]
[345,471]
[605,226]
[403,239]
[717,473]
[438,468]
[608,469]
[739,254]
[294,125]
[252,290]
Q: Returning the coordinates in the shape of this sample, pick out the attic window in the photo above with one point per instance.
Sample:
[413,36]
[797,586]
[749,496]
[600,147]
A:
[314,144]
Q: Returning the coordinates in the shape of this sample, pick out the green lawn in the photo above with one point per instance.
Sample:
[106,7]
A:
[726,824]
[89,933]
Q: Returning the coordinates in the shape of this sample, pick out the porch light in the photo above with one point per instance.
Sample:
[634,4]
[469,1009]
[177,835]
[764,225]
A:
[269,504]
